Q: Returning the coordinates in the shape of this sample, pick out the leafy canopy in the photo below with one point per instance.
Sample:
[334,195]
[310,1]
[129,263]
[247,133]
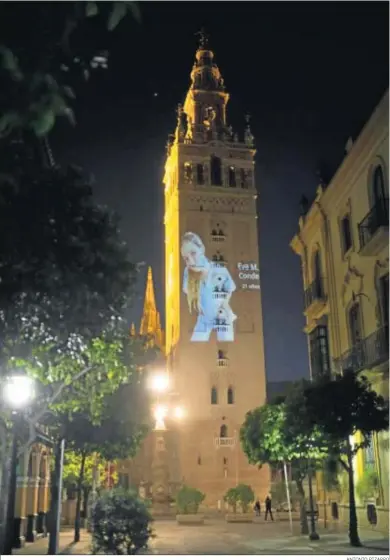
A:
[41,65]
[344,406]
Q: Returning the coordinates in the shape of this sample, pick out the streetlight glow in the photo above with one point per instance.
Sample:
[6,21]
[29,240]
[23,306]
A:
[179,412]
[18,391]
[160,413]
[160,382]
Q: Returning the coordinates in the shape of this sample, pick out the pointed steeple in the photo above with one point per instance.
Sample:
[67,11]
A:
[150,322]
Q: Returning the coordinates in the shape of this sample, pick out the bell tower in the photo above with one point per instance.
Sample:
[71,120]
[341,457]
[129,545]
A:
[214,326]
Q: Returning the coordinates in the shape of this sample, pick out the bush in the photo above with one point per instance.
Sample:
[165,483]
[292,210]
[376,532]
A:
[231,498]
[120,523]
[241,494]
[188,500]
[246,496]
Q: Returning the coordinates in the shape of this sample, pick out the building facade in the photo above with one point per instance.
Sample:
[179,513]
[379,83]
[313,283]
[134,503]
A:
[344,249]
[214,327]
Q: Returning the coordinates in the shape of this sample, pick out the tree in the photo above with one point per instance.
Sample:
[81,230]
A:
[343,408]
[117,434]
[40,66]
[264,440]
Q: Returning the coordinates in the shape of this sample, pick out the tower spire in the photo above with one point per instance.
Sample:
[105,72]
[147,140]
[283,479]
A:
[150,322]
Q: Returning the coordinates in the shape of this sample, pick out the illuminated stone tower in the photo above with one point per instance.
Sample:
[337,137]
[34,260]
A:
[214,327]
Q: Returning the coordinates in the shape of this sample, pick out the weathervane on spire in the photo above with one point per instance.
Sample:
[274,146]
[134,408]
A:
[203,38]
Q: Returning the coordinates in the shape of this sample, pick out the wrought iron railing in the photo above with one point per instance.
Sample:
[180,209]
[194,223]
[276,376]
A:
[367,353]
[225,441]
[314,292]
[377,217]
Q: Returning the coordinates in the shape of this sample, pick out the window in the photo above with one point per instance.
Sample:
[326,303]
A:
[317,274]
[188,173]
[214,395]
[199,460]
[346,233]
[200,174]
[223,432]
[225,461]
[216,171]
[221,355]
[232,176]
[230,395]
[378,186]
[319,352]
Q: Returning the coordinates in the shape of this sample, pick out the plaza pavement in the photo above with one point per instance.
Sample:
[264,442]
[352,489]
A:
[217,537]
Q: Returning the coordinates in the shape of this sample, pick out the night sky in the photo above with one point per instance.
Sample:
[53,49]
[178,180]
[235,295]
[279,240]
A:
[310,75]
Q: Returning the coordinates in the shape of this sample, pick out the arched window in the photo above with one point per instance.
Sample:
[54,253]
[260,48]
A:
[223,432]
[216,171]
[378,186]
[214,395]
[221,354]
[230,395]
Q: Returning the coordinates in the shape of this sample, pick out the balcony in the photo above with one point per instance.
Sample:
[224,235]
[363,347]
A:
[222,362]
[374,229]
[218,238]
[315,298]
[224,442]
[366,354]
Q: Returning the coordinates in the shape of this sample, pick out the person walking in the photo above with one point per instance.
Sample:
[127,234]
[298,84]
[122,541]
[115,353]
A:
[268,508]
[257,508]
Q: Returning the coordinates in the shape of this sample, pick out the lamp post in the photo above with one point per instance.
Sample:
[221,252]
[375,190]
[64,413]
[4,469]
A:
[18,392]
[164,408]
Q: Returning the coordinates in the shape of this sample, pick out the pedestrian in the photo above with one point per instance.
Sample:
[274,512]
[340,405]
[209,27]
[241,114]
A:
[268,508]
[257,508]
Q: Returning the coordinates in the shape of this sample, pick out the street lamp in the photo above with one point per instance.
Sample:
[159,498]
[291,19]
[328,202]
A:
[159,382]
[18,391]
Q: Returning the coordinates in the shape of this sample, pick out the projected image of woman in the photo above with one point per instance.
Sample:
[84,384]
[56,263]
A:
[208,287]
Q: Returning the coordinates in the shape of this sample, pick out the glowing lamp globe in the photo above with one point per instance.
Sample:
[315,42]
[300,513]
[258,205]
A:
[160,382]
[18,391]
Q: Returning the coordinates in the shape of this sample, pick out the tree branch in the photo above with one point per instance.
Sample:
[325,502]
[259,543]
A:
[343,464]
[35,419]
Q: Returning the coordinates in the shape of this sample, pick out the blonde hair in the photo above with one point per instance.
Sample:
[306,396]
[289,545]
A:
[194,276]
